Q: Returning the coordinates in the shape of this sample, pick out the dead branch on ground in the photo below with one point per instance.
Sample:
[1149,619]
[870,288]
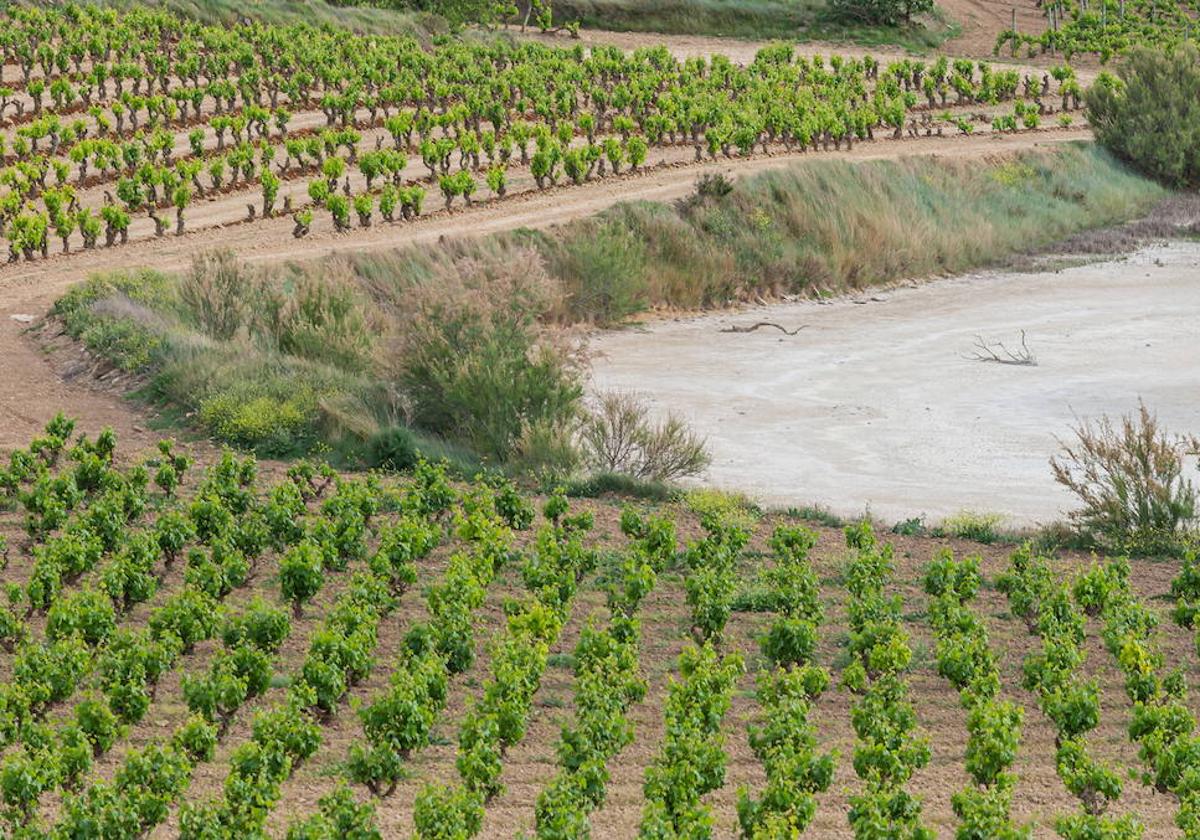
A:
[998,353]
[734,328]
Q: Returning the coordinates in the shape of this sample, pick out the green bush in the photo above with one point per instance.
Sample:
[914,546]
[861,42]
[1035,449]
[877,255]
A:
[215,294]
[116,316]
[604,269]
[602,484]
[152,288]
[973,525]
[393,448]
[315,316]
[476,362]
[789,641]
[483,386]
[122,341]
[880,12]
[1151,115]
[272,423]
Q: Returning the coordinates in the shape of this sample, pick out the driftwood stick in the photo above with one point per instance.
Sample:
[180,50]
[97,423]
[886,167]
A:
[998,353]
[734,328]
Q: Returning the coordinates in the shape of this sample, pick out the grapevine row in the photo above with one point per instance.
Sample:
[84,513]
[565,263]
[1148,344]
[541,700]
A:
[1163,726]
[581,111]
[889,747]
[497,721]
[785,743]
[607,682]
[1071,703]
[967,660]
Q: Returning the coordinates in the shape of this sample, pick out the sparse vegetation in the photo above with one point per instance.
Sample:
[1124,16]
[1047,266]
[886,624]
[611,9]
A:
[327,354]
[972,525]
[1130,479]
[620,437]
[805,19]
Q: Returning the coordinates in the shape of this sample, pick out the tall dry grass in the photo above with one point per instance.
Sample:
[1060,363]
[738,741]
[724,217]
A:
[367,19]
[818,227]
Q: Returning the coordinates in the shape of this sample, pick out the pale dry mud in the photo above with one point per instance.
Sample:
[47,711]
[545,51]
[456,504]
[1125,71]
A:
[879,404]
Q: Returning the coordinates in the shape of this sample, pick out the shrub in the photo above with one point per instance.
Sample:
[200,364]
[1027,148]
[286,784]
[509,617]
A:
[602,484]
[475,361]
[1129,478]
[315,316]
[242,413]
[151,288]
[619,437]
[880,12]
[713,185]
[117,315]
[973,525]
[120,338]
[733,509]
[215,292]
[546,450]
[789,641]
[393,448]
[1151,115]
[604,271]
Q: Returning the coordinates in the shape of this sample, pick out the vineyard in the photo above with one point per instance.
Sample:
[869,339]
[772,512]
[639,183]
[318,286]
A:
[196,644]
[208,651]
[1106,28]
[135,125]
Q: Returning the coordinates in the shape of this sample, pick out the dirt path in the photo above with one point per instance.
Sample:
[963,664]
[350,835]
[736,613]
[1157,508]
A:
[39,282]
[31,393]
[983,20]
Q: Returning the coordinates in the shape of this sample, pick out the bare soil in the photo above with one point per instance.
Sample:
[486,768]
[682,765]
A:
[981,22]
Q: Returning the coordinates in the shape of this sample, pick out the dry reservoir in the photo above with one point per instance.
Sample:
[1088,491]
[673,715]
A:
[882,404]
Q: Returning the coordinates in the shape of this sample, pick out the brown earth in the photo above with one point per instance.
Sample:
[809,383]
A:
[981,22]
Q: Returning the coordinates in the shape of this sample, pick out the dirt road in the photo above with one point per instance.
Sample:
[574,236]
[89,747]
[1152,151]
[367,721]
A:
[38,282]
